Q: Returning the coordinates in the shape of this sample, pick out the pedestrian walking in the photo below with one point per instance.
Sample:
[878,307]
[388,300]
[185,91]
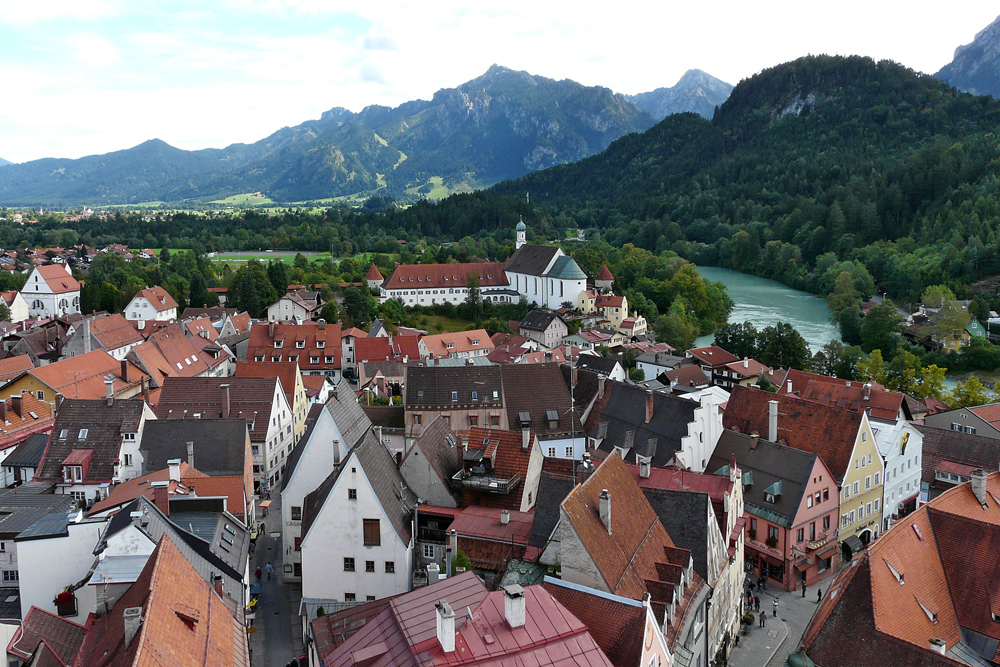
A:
[819,595]
[803,589]
[763,620]
[270,568]
[774,605]
[756,602]
[760,623]
[258,573]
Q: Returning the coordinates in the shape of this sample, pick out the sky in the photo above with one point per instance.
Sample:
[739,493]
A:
[82,77]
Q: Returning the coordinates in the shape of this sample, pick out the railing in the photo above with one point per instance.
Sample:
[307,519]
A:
[485,483]
[435,535]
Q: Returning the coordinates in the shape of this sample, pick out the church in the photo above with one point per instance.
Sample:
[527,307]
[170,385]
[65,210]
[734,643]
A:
[542,275]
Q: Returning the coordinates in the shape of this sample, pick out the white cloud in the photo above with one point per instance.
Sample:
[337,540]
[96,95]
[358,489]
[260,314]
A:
[24,12]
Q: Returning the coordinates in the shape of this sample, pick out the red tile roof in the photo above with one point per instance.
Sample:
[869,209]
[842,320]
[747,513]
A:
[62,635]
[286,371]
[202,327]
[83,376]
[58,278]
[13,366]
[168,352]
[158,297]
[436,276]
[618,625]
[509,459]
[249,398]
[318,341]
[373,273]
[241,321]
[881,403]
[460,341]
[23,416]
[230,487]
[382,348]
[805,425]
[609,301]
[713,355]
[113,331]
[489,543]
[690,375]
[747,368]
[355,332]
[126,492]
[605,273]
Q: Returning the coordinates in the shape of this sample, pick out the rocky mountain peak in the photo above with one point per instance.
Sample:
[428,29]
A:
[976,66]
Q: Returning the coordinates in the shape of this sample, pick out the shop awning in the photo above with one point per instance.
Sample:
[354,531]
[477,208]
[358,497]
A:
[264,505]
[854,544]
[803,566]
[829,551]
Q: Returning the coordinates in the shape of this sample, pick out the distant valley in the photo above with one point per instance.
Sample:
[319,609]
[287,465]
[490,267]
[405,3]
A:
[501,125]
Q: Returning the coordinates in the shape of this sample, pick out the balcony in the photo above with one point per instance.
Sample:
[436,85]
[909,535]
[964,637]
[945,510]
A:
[484,482]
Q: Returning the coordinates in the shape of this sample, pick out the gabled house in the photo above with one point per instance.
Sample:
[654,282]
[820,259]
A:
[949,457]
[611,539]
[466,396]
[295,306]
[456,345]
[152,303]
[111,333]
[490,537]
[41,344]
[844,439]
[315,346]
[744,373]
[713,361]
[13,366]
[259,401]
[203,328]
[981,420]
[428,284]
[544,327]
[431,462]
[91,375]
[21,416]
[16,305]
[347,340]
[536,398]
[21,463]
[339,426]
[384,348]
[357,529]
[923,595]
[51,291]
[291,382]
[500,469]
[651,427]
[50,639]
[168,352]
[791,509]
[544,275]
[94,444]
[609,368]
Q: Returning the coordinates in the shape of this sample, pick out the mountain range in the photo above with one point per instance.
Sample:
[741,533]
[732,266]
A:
[501,125]
[696,91]
[3,162]
[976,66]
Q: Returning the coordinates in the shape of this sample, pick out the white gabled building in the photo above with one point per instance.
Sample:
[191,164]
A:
[51,291]
[152,303]
[357,529]
[16,304]
[544,275]
[340,425]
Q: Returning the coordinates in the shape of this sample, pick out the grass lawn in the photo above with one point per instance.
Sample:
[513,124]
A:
[435,324]
[245,199]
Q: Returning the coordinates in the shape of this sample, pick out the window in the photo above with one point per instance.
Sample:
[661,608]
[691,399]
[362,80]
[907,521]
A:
[864,436]
[40,395]
[826,523]
[569,452]
[348,564]
[494,420]
[430,553]
[844,521]
[454,396]
[800,535]
[847,492]
[876,504]
[369,566]
[390,567]
[868,509]
[83,434]
[63,434]
[417,420]
[971,430]
[352,494]
[473,420]
[296,513]
[826,494]
[772,531]
[868,482]
[877,475]
[551,452]
[812,531]
[855,490]
[373,536]
[809,501]
[370,598]
[349,597]
[475,395]
[127,460]
[72,473]
[753,525]
[10,575]
[864,462]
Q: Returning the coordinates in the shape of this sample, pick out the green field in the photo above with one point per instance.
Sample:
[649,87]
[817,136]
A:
[245,199]
[435,324]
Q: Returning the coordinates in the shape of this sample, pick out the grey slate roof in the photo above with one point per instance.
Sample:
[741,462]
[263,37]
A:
[432,386]
[538,320]
[219,444]
[19,510]
[104,424]
[250,398]
[440,447]
[587,385]
[387,416]
[531,260]
[54,524]
[684,515]
[350,419]
[769,462]
[28,454]
[552,490]
[623,408]
[596,363]
[538,390]
[566,268]
[379,466]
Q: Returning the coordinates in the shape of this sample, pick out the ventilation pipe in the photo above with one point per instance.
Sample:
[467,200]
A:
[772,421]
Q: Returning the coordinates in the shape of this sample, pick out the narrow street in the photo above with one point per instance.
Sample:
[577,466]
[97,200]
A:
[278,636]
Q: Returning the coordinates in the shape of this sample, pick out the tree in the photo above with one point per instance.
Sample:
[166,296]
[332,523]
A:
[781,346]
[329,312]
[845,296]
[872,368]
[277,273]
[4,312]
[637,374]
[880,328]
[359,304]
[931,382]
[968,394]
[474,298]
[738,338]
[300,262]
[936,296]
[676,327]
[496,325]
[250,290]
[979,309]
[902,373]
[948,324]
[197,293]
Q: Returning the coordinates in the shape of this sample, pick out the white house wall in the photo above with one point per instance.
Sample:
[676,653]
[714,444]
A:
[47,566]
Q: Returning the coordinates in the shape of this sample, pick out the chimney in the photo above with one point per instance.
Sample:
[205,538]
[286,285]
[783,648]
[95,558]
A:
[124,370]
[161,498]
[225,401]
[190,448]
[645,465]
[649,405]
[132,619]
[433,573]
[175,469]
[600,386]
[453,541]
[586,468]
[868,390]
[772,420]
[790,386]
[504,517]
[3,411]
[270,329]
[605,509]
[746,362]
[145,390]
[978,485]
[16,405]
[219,586]
[513,605]
[525,439]
[109,389]
[938,645]
[136,518]
[445,626]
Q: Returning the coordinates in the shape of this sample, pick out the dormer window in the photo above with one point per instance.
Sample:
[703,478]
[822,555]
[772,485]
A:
[83,434]
[321,344]
[300,344]
[72,473]
[278,344]
[454,396]
[63,434]
[475,395]
[449,346]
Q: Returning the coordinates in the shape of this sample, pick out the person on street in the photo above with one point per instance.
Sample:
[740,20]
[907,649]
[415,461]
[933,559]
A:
[803,589]
[270,568]
[774,604]
[819,595]
[258,573]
